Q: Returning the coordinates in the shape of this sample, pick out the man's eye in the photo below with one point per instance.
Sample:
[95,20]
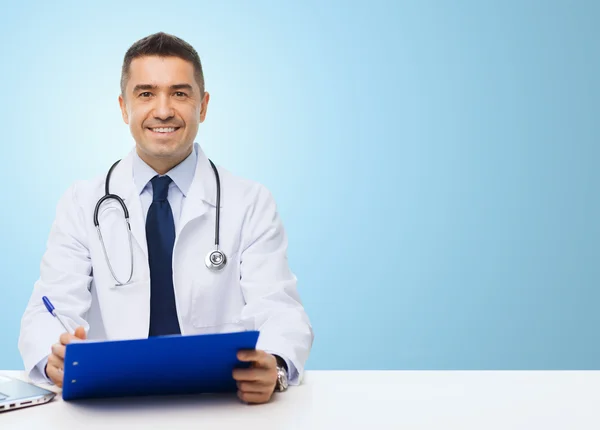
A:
[145,94]
[180,94]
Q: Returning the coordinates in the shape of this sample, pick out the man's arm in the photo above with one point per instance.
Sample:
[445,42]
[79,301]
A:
[269,287]
[65,277]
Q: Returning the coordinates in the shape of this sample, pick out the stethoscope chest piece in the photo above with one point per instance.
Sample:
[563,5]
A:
[215,260]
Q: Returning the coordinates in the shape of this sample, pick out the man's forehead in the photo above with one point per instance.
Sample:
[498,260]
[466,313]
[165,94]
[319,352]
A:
[160,70]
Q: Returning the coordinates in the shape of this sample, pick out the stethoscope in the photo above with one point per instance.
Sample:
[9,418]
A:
[215,260]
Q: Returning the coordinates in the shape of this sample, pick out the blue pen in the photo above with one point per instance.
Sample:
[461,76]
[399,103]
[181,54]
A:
[51,309]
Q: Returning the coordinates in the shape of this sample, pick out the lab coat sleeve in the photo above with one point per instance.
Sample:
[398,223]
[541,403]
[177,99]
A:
[273,305]
[38,373]
[65,277]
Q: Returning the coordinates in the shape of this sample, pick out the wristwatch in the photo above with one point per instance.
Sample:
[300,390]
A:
[282,376]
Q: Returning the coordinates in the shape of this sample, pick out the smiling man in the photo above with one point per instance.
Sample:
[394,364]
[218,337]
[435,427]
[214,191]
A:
[157,284]
[163,100]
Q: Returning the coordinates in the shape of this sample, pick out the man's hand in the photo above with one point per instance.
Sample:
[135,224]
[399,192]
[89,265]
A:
[56,360]
[256,384]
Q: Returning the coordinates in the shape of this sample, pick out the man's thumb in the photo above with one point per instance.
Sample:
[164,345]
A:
[80,333]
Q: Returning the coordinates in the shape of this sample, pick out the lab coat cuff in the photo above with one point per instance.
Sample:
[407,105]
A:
[38,373]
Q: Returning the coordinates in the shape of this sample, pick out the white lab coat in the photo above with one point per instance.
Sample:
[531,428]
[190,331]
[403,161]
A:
[255,291]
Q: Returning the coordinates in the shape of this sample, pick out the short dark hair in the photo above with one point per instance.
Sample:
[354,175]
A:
[162,45]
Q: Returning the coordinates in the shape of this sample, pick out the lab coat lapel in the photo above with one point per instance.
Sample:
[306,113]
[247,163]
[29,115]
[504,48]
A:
[202,193]
[122,184]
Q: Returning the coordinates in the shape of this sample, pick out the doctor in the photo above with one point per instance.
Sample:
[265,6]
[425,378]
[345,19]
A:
[160,279]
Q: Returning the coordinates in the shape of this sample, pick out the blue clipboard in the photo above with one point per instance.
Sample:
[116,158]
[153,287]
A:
[160,365]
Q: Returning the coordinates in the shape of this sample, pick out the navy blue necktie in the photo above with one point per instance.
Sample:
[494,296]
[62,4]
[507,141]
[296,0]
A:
[160,236]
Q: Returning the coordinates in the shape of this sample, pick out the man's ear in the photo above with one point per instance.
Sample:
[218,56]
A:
[123,109]
[204,106]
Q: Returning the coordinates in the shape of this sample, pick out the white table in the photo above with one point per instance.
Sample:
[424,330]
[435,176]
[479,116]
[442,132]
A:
[351,400]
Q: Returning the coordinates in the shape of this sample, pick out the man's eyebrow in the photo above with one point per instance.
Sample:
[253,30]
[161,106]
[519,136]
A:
[141,87]
[182,87]
[146,87]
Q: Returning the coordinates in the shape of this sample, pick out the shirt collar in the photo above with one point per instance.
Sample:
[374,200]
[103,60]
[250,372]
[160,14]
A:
[182,174]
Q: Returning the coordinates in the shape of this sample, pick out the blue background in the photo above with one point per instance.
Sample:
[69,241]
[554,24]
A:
[435,162]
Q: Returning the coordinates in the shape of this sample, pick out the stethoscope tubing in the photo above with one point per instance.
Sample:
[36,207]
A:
[215,260]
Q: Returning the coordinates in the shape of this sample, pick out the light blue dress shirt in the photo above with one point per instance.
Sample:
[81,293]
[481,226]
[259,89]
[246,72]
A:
[182,176]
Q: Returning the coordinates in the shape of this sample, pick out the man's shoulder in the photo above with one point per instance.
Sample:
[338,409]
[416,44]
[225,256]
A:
[84,189]
[239,188]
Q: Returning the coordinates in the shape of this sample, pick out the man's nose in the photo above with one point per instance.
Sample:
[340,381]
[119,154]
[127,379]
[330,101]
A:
[163,109]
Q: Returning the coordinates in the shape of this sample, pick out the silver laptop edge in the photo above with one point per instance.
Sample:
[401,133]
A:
[16,394]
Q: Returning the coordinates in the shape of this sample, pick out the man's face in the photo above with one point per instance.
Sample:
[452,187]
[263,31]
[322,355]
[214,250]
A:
[163,107]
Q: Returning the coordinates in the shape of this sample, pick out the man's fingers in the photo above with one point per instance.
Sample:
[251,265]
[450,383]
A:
[80,333]
[59,350]
[55,361]
[254,398]
[66,338]
[55,375]
[253,375]
[254,387]
[260,358]
[246,375]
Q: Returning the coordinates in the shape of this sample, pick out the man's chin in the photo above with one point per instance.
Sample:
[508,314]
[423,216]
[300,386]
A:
[161,149]
[164,150]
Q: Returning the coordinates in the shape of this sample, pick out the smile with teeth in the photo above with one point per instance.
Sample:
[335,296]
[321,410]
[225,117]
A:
[164,129]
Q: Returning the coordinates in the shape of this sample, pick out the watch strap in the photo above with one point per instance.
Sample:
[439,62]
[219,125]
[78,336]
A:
[281,362]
